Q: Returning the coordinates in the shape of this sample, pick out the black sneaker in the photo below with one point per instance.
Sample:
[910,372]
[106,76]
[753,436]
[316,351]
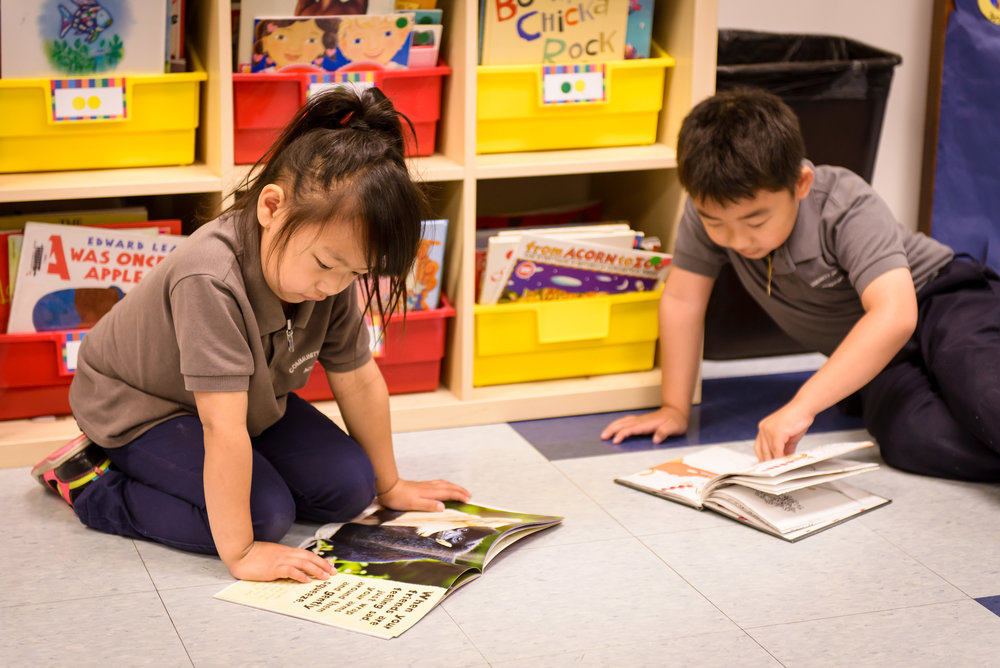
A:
[68,470]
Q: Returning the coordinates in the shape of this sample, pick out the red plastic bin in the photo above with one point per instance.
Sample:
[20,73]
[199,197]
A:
[35,370]
[410,360]
[34,374]
[264,102]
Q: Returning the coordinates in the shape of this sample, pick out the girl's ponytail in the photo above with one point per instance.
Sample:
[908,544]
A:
[343,156]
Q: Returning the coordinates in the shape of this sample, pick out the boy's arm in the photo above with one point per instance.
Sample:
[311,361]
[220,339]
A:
[228,463]
[363,400]
[890,304]
[682,325]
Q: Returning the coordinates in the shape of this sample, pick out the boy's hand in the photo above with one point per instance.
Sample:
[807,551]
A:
[663,422]
[273,561]
[780,432]
[422,495]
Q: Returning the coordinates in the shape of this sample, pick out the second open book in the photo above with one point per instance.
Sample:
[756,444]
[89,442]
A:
[790,497]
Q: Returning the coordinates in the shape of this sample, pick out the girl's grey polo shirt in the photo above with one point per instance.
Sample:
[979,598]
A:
[844,238]
[205,320]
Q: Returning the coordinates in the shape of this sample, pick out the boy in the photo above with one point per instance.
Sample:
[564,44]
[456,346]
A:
[911,329]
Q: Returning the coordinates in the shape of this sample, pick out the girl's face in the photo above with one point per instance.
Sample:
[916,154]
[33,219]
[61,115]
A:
[374,39]
[319,260]
[301,42]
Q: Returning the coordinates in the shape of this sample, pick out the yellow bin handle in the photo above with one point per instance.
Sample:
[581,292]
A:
[573,320]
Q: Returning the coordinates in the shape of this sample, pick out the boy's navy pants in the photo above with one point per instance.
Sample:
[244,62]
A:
[304,466]
[935,409]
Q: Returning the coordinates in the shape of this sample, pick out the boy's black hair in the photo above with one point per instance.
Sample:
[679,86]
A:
[739,142]
[342,158]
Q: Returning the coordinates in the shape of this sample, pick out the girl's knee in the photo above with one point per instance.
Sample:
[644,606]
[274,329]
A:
[272,513]
[349,490]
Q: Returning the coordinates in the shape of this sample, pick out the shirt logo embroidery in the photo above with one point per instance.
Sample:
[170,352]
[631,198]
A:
[827,280]
[302,360]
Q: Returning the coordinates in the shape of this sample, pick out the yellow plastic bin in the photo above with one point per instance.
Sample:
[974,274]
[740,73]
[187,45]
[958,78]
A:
[99,122]
[561,339]
[536,107]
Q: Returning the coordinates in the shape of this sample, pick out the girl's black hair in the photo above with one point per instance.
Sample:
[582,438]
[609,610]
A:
[739,142]
[342,158]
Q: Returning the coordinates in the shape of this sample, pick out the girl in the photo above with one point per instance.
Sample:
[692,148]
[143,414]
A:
[184,391]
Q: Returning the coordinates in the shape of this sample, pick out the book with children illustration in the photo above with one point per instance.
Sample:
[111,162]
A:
[362,41]
[393,567]
[501,246]
[790,497]
[544,268]
[11,242]
[423,284]
[70,276]
[252,9]
[68,38]
[553,32]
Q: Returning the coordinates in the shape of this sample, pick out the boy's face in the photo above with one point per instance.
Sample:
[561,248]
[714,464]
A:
[755,226]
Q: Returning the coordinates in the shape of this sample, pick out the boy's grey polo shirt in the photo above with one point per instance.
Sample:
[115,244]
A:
[844,238]
[205,320]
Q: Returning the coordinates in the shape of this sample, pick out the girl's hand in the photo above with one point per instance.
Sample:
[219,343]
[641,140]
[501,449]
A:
[665,421]
[780,432]
[273,561]
[422,495]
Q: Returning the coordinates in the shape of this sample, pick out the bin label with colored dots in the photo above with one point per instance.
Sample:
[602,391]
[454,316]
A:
[88,99]
[563,84]
[359,81]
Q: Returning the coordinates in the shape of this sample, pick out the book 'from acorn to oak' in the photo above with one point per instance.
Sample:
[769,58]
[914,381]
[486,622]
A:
[790,497]
[393,567]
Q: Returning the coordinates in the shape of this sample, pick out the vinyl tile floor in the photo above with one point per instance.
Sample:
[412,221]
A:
[626,580]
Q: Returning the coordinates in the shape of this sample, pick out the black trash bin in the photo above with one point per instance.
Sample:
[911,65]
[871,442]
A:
[838,88]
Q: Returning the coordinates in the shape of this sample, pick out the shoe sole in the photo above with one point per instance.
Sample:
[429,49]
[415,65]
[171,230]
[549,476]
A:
[59,457]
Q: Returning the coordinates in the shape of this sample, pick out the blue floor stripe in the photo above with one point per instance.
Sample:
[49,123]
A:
[991,603]
[729,411]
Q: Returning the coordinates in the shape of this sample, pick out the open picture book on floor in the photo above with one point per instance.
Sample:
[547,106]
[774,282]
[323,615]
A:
[392,567]
[790,497]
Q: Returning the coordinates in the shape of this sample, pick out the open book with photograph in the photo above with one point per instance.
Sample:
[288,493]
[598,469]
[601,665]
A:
[392,566]
[791,497]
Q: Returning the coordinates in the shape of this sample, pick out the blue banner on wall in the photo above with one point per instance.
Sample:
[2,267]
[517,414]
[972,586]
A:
[966,213]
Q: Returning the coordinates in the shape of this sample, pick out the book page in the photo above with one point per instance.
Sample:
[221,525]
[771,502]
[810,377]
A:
[808,508]
[774,467]
[807,476]
[462,536]
[684,479]
[378,607]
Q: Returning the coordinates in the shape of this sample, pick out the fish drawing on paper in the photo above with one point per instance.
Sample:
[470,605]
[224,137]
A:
[89,18]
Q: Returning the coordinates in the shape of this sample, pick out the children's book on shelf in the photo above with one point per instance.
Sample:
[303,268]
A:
[11,242]
[70,276]
[175,35]
[553,32]
[393,567]
[639,29]
[76,217]
[500,249]
[82,38]
[548,268]
[790,497]
[423,285]
[370,41]
[253,9]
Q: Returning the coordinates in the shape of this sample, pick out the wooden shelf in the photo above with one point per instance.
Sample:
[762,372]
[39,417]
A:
[635,182]
[579,161]
[23,187]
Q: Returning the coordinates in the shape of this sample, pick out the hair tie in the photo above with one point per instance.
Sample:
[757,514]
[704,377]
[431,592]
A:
[347,118]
